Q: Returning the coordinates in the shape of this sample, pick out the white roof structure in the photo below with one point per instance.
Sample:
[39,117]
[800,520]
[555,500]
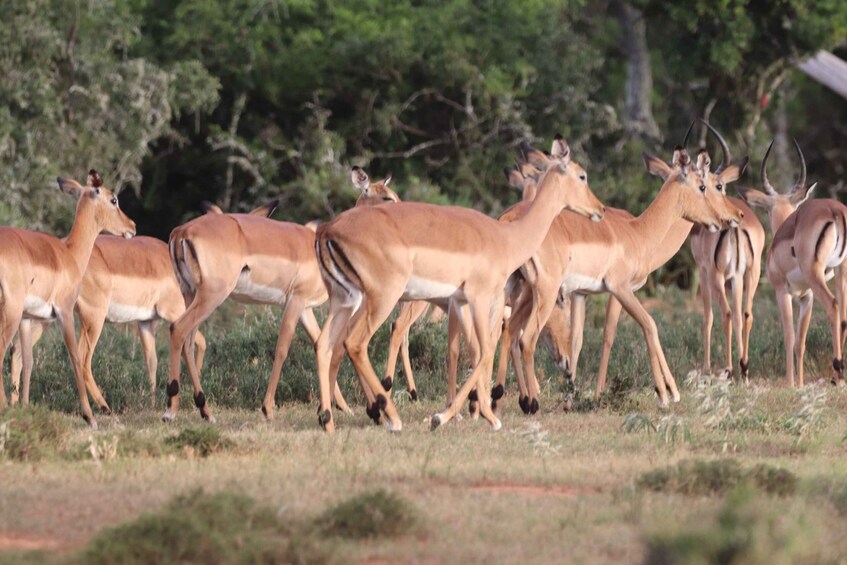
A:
[828,69]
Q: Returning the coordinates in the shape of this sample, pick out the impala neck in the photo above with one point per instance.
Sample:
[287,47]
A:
[83,234]
[664,250]
[526,234]
[530,189]
[661,219]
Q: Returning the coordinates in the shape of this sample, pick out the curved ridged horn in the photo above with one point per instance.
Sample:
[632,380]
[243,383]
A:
[687,134]
[802,181]
[766,183]
[727,156]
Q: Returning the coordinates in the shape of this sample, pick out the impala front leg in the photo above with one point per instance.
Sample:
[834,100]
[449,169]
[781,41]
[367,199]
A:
[610,330]
[66,323]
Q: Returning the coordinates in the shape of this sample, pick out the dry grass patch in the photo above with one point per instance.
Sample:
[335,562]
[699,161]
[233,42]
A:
[696,477]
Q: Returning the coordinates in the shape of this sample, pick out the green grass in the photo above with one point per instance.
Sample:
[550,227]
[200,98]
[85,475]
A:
[285,491]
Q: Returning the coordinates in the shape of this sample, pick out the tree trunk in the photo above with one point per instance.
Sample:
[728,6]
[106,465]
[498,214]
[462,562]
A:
[638,114]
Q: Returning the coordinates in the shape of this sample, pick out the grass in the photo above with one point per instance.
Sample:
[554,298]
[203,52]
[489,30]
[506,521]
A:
[285,491]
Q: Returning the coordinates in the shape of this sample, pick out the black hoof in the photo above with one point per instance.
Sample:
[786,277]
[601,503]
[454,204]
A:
[745,367]
[497,392]
[838,365]
[473,397]
[264,412]
[494,405]
[434,422]
[200,400]
[387,383]
[105,410]
[533,406]
[523,402]
[373,412]
[381,402]
[414,394]
[324,418]
[87,419]
[473,406]
[173,388]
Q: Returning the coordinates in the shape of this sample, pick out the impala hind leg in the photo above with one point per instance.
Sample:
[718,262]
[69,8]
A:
[803,320]
[610,330]
[544,300]
[310,324]
[147,336]
[205,301]
[786,316]
[751,283]
[333,332]
[833,313]
[66,323]
[10,319]
[708,318]
[29,333]
[409,313]
[718,282]
[293,311]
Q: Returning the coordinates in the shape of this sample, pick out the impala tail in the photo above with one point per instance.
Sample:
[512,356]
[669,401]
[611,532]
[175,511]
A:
[339,275]
[186,265]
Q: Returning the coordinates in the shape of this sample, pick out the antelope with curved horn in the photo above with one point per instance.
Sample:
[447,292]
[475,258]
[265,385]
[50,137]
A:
[255,260]
[371,258]
[577,259]
[809,247]
[42,274]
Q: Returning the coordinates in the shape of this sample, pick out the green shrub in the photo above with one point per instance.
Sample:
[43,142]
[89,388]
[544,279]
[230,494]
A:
[204,440]
[30,433]
[370,515]
[695,477]
[195,528]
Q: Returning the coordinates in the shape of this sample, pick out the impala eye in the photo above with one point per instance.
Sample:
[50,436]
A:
[114,201]
[582,177]
[388,199]
[702,188]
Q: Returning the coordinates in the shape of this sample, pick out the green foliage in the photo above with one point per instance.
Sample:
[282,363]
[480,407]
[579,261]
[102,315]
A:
[747,530]
[195,527]
[719,476]
[204,440]
[30,433]
[374,514]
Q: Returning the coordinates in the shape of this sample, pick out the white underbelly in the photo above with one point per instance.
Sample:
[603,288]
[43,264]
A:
[35,307]
[124,314]
[574,282]
[423,289]
[248,291]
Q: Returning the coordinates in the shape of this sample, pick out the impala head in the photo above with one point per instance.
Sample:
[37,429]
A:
[526,183]
[567,178]
[108,216]
[372,194]
[779,206]
[696,186]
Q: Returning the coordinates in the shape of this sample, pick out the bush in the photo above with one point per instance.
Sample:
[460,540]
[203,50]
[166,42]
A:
[30,433]
[204,440]
[370,515]
[195,528]
[694,477]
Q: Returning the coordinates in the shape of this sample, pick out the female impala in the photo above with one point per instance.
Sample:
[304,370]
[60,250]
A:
[125,281]
[372,257]
[808,249]
[616,257]
[254,260]
[41,273]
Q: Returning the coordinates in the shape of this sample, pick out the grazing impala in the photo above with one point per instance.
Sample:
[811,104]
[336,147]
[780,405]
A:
[578,259]
[371,258]
[42,274]
[809,247]
[255,260]
[125,281]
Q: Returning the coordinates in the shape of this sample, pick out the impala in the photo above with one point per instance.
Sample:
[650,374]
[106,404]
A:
[125,281]
[809,247]
[371,258]
[42,273]
[617,256]
[254,260]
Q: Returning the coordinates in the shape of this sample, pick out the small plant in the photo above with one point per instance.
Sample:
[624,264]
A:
[201,440]
[637,422]
[672,429]
[30,433]
[102,448]
[371,515]
[536,435]
[807,419]
[696,477]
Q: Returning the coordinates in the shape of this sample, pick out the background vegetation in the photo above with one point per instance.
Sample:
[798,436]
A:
[238,101]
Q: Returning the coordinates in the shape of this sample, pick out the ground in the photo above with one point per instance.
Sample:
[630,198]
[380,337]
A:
[552,487]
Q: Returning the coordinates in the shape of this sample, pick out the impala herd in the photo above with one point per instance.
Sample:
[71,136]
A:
[521,278]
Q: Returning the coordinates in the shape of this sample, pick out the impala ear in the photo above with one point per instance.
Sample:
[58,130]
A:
[801,194]
[514,177]
[360,178]
[734,171]
[656,166]
[681,159]
[387,180]
[94,179]
[265,210]
[560,150]
[535,157]
[209,208]
[704,162]
[70,186]
[756,198]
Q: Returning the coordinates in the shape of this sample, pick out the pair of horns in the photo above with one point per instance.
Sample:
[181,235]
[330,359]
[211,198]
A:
[727,156]
[801,182]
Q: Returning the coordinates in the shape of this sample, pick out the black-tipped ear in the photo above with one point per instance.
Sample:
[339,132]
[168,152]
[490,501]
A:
[265,210]
[558,137]
[209,208]
[357,168]
[508,172]
[94,179]
[742,165]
